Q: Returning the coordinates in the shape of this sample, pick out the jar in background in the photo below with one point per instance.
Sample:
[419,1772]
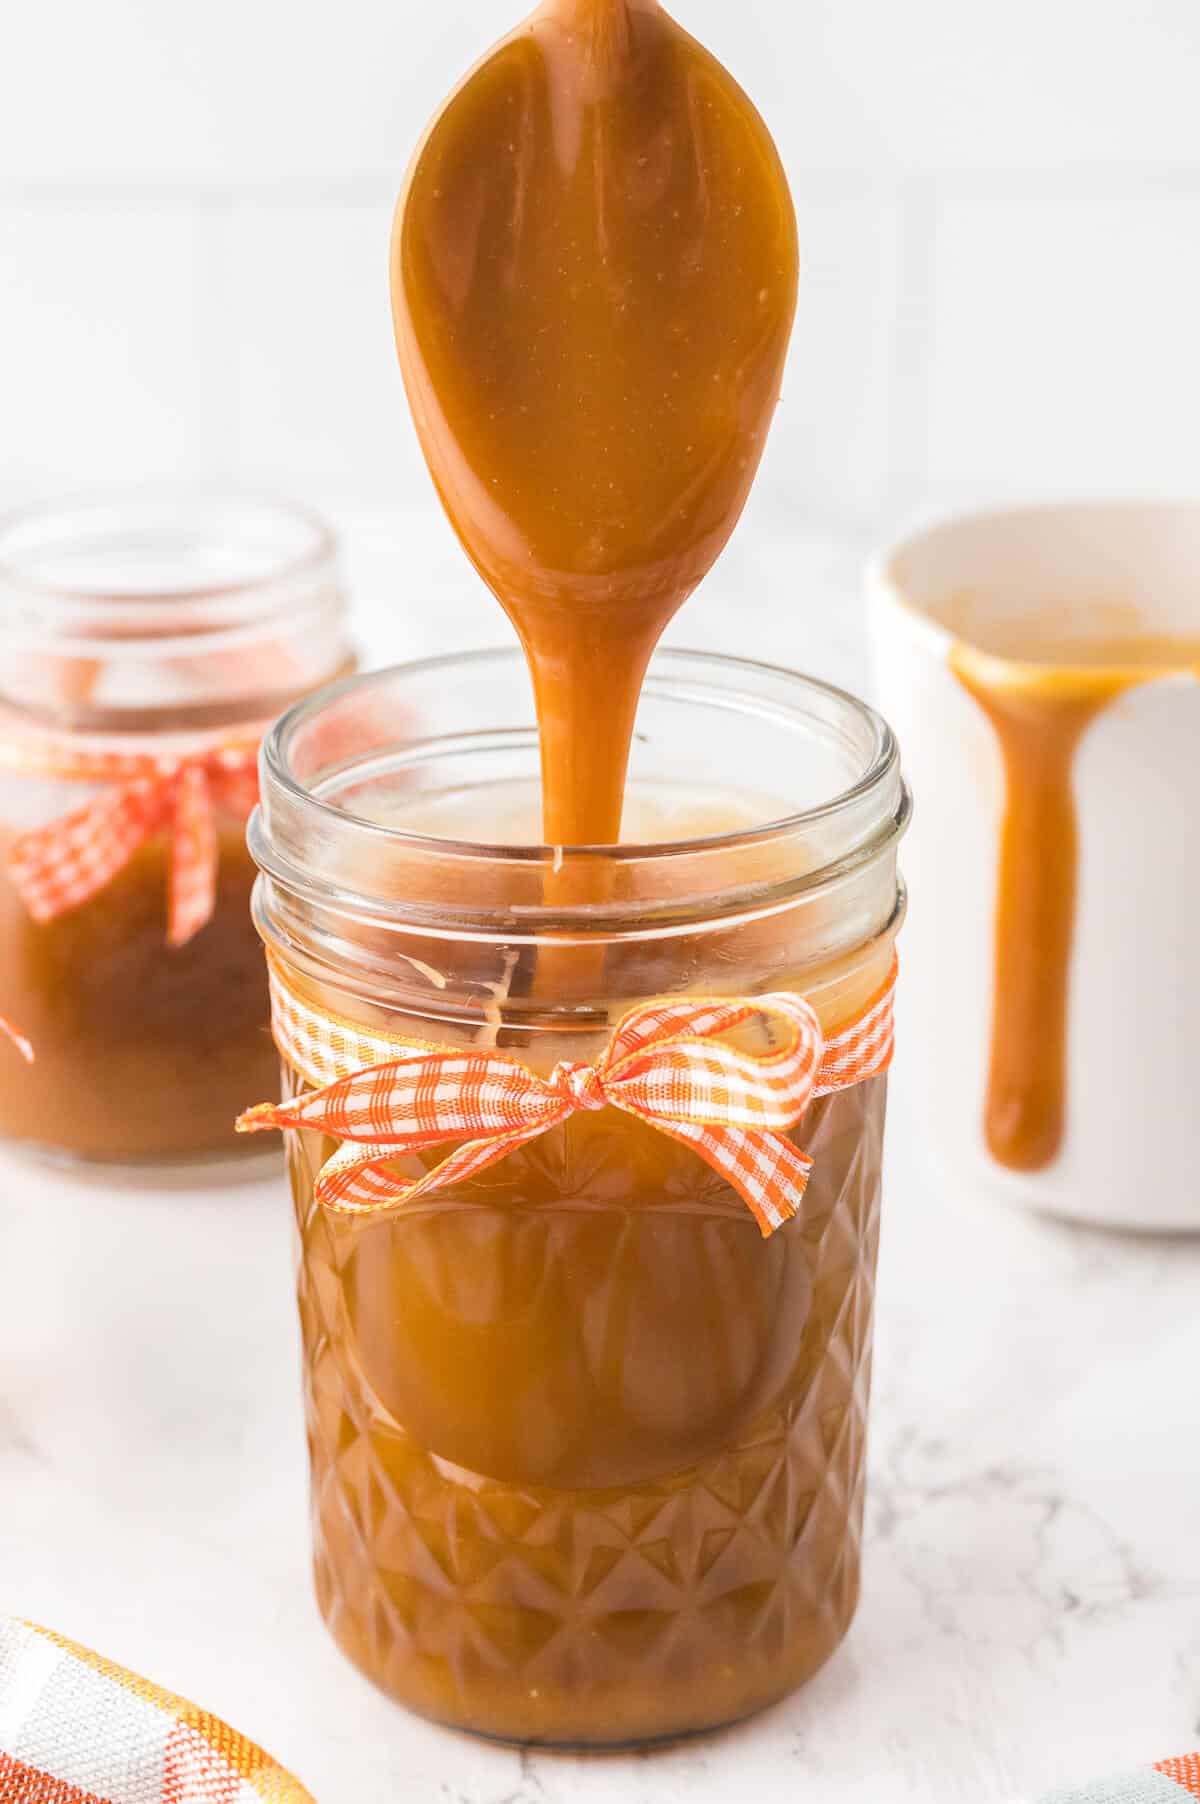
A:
[146,641]
[587,1450]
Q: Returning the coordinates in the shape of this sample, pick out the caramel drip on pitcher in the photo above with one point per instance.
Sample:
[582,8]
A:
[1040,712]
[594,275]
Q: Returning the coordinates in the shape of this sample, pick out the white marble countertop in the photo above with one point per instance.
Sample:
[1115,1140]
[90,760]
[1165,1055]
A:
[1031,1612]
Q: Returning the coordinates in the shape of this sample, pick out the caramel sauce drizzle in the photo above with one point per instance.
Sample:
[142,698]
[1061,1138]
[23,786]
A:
[1040,712]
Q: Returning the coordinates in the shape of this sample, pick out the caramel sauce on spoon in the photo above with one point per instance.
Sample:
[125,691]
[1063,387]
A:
[594,274]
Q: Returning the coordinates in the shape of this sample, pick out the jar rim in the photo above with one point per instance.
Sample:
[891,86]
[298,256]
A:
[885,758]
[262,589]
[875,805]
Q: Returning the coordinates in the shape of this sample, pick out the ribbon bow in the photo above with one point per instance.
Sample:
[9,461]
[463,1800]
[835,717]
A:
[666,1064]
[63,864]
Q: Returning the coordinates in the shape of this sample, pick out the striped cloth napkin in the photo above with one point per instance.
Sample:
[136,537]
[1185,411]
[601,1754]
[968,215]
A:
[75,1729]
[1170,1782]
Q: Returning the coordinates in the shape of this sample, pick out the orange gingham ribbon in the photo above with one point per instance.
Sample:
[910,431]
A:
[665,1064]
[63,864]
[78,1729]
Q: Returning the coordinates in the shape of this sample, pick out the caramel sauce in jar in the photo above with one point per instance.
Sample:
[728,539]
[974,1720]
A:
[142,1052]
[587,1455]
[158,626]
[587,1451]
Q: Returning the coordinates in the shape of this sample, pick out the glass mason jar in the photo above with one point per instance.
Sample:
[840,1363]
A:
[587,1450]
[146,641]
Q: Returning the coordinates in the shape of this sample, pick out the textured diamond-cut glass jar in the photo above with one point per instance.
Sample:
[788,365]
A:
[587,1450]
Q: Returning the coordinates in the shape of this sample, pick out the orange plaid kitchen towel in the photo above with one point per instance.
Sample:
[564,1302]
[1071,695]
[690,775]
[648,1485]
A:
[75,1729]
[667,1063]
[63,864]
[1170,1782]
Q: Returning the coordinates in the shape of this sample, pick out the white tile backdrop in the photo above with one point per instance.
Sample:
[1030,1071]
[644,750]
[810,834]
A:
[999,204]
